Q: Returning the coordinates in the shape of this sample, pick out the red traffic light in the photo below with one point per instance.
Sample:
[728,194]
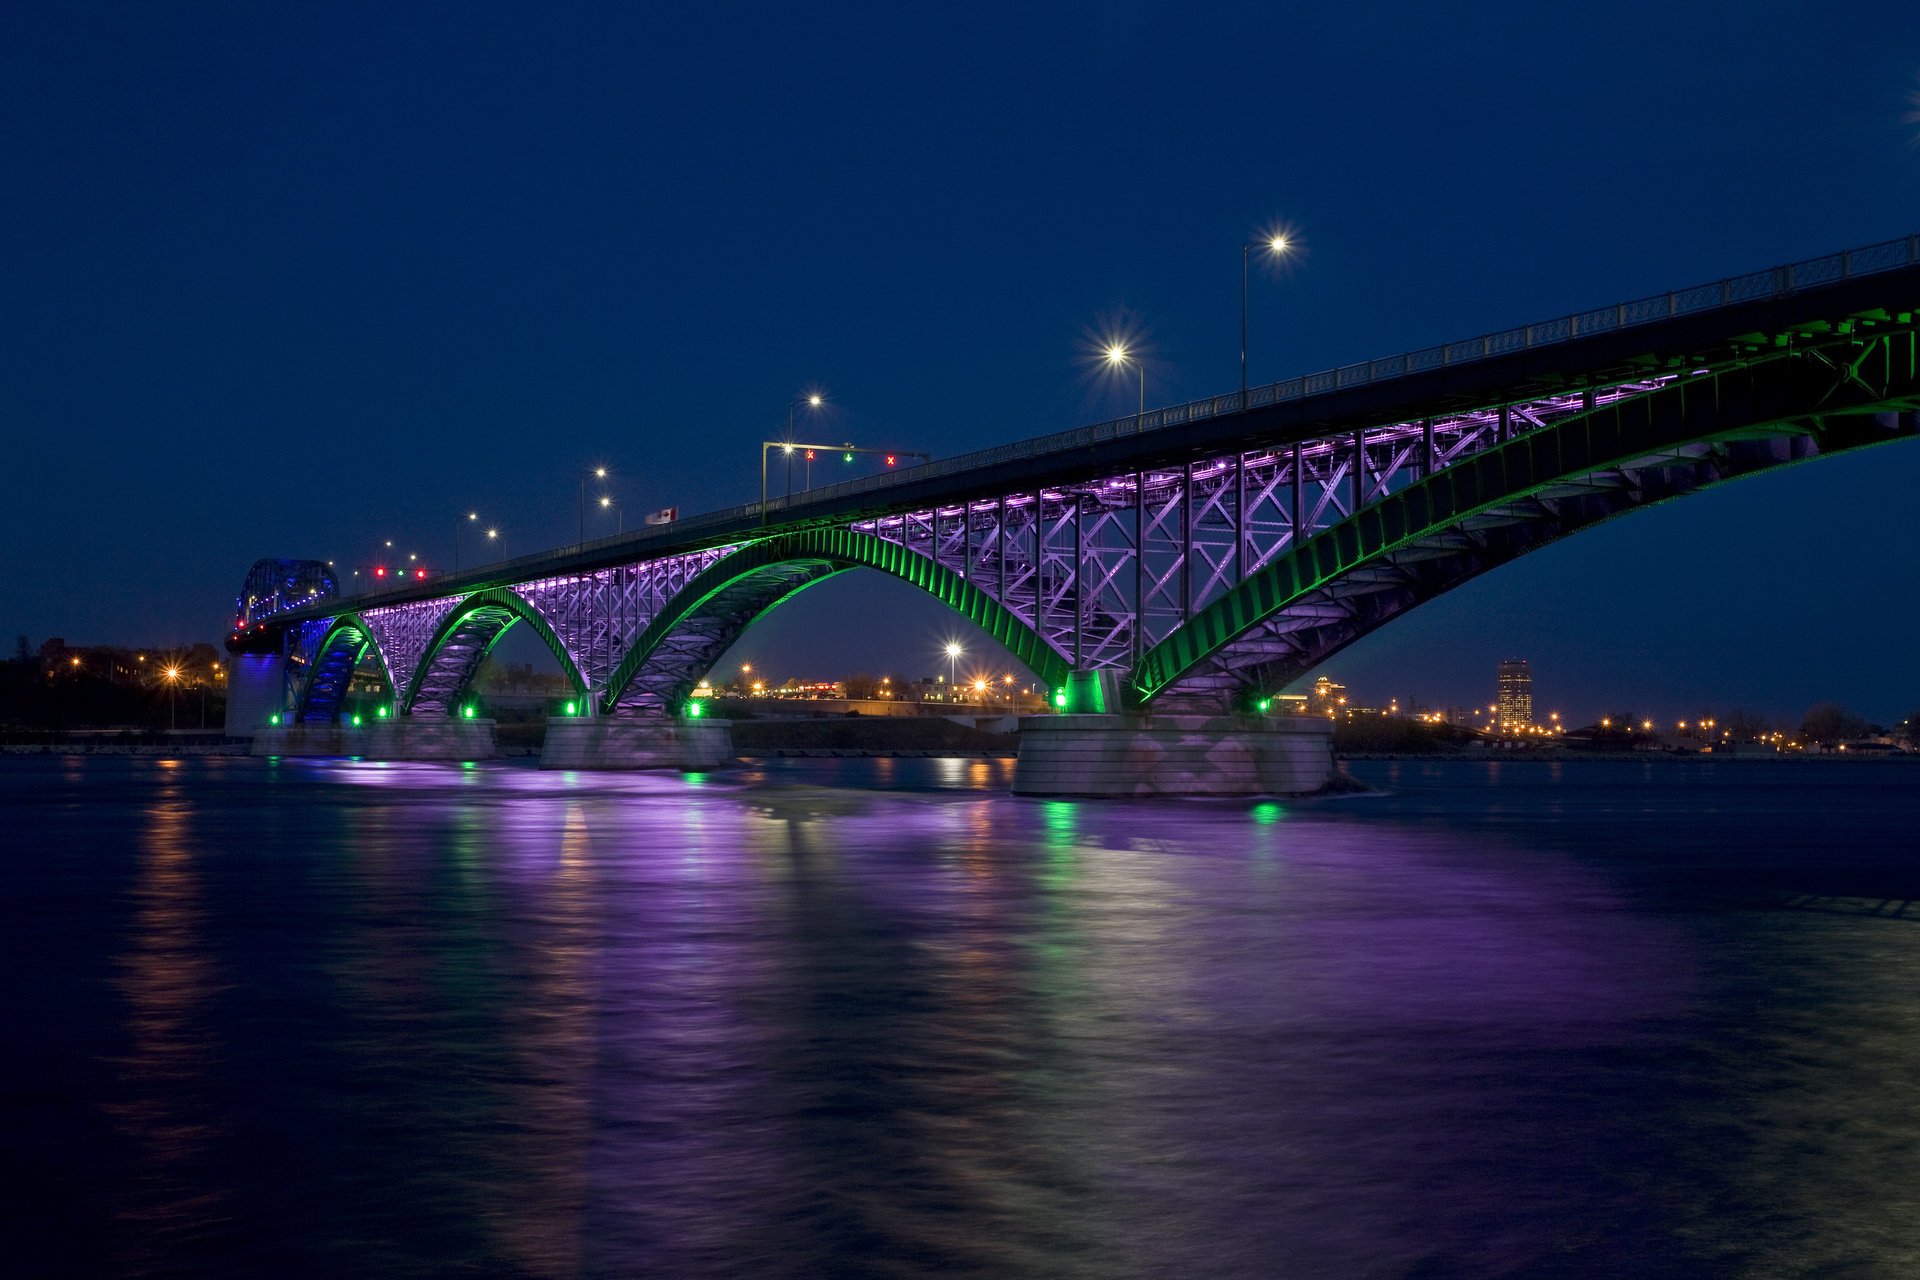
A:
[420,574]
[889,459]
[380,572]
[809,455]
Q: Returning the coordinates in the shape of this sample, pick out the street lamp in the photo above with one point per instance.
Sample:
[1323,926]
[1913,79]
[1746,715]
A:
[599,473]
[473,517]
[607,503]
[173,698]
[812,400]
[953,664]
[1276,245]
[1118,358]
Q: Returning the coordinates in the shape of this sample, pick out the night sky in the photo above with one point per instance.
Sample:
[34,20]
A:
[292,280]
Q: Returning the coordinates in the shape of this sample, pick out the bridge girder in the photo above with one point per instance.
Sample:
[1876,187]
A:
[1457,523]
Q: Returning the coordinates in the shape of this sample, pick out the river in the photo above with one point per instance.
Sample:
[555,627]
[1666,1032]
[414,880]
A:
[881,1017]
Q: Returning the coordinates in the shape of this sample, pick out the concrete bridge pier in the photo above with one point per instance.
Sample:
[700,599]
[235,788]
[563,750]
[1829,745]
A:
[637,742]
[1141,754]
[256,691]
[405,738]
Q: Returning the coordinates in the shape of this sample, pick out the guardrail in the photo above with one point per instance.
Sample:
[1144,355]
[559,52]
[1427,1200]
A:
[1888,255]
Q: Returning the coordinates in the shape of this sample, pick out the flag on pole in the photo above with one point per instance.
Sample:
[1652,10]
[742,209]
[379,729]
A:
[667,516]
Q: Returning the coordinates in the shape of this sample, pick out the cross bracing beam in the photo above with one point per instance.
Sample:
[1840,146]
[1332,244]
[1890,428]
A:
[680,644]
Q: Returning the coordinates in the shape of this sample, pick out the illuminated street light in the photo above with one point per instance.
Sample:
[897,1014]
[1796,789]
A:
[953,661]
[473,517]
[1118,358]
[608,503]
[598,473]
[173,698]
[812,400]
[1276,245]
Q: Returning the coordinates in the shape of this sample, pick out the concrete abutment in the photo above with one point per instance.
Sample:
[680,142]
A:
[407,738]
[610,743]
[1173,755]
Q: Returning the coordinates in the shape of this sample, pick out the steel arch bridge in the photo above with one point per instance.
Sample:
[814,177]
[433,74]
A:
[1194,556]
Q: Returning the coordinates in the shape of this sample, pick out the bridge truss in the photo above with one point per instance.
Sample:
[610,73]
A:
[1192,576]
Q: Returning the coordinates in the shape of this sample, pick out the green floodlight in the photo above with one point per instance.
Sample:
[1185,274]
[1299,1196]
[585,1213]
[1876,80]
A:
[1060,699]
[356,718]
[695,711]
[467,711]
[570,708]
[379,711]
[1264,705]
[274,719]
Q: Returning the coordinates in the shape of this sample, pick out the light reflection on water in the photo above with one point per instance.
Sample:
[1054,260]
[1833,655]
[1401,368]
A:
[405,1019]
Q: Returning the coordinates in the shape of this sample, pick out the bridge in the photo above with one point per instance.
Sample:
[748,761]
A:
[1164,572]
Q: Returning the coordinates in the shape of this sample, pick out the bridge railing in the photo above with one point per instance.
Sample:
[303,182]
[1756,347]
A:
[1888,255]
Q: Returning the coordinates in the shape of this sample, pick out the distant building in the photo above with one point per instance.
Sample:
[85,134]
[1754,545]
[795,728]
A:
[1514,695]
[1328,698]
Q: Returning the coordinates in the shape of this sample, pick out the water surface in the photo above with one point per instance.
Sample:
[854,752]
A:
[880,1017]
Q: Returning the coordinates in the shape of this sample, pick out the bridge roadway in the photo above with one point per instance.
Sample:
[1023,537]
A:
[1196,557]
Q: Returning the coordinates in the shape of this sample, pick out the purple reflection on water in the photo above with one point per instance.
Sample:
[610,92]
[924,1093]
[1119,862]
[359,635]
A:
[409,1019]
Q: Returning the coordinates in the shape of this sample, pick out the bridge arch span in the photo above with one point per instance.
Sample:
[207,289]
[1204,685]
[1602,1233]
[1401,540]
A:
[1418,543]
[337,655]
[463,638]
[683,641]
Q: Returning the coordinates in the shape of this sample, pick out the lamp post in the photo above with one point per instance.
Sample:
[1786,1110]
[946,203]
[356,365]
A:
[473,517]
[1275,245]
[173,698]
[607,503]
[599,473]
[493,536]
[953,665]
[812,401]
[1118,358]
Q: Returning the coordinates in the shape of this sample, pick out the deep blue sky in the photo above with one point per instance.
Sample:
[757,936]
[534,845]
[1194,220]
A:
[292,280]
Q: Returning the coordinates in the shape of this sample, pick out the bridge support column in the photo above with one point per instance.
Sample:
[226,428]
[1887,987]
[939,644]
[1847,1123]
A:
[639,742]
[1173,755]
[407,738]
[256,691]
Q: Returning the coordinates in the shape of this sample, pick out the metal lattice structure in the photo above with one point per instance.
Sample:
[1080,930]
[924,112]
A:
[1191,566]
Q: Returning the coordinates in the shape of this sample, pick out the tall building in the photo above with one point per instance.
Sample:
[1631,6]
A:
[1514,696]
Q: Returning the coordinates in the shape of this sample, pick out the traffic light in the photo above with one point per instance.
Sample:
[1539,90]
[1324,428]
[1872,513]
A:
[846,457]
[380,572]
[890,459]
[420,574]
[809,455]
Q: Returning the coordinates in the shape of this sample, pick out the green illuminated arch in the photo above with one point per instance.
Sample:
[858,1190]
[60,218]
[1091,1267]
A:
[1759,407]
[826,552]
[323,667]
[494,600]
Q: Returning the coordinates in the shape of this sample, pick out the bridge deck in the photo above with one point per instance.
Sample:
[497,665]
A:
[1707,325]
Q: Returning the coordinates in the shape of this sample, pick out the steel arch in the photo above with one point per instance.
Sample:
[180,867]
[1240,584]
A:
[335,658]
[470,629]
[1416,544]
[711,612]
